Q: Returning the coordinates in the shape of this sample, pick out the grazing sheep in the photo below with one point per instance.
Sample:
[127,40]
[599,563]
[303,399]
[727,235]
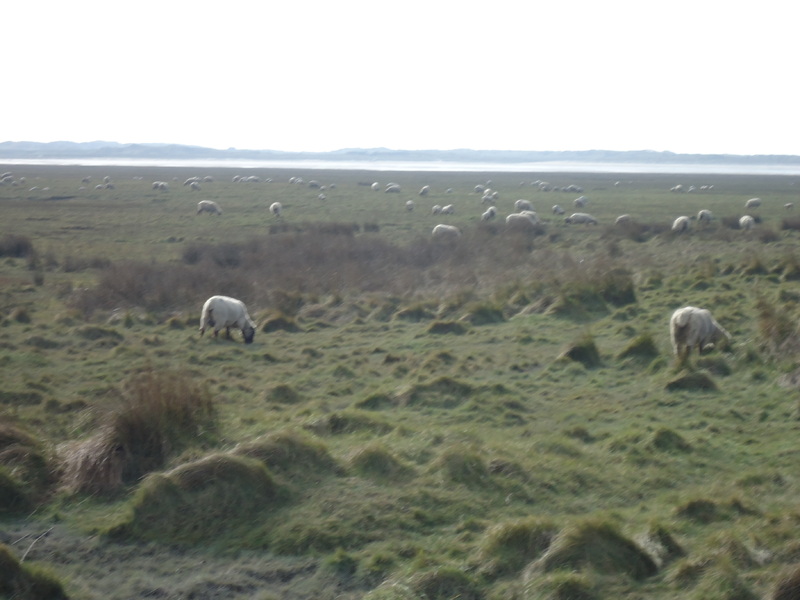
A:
[557,210]
[490,214]
[392,188]
[225,312]
[191,180]
[276,208]
[753,203]
[442,231]
[677,188]
[623,219]
[480,189]
[521,205]
[194,186]
[747,223]
[208,206]
[580,202]
[322,197]
[376,186]
[581,218]
[436,209]
[522,220]
[681,224]
[789,205]
[161,185]
[410,205]
[692,327]
[705,216]
[448,209]
[425,190]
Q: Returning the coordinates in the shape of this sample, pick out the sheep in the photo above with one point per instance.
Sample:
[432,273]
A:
[490,214]
[704,216]
[557,210]
[191,180]
[276,208]
[392,188]
[753,203]
[161,185]
[322,197]
[225,312]
[747,222]
[521,205]
[692,327]
[581,218]
[789,205]
[623,219]
[677,188]
[425,190]
[376,186]
[209,206]
[442,231]
[448,209]
[194,186]
[522,220]
[436,209]
[580,202]
[680,224]
[410,205]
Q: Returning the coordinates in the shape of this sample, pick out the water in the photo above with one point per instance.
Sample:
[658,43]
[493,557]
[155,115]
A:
[440,166]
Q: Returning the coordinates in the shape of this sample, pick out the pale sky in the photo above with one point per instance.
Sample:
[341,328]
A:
[688,76]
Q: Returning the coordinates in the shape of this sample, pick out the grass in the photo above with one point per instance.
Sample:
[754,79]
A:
[500,417]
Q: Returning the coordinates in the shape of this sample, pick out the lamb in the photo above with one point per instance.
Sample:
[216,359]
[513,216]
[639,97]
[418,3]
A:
[747,222]
[581,218]
[225,312]
[442,231]
[208,206]
[521,205]
[375,186]
[276,208]
[194,186]
[692,327]
[680,224]
[753,203]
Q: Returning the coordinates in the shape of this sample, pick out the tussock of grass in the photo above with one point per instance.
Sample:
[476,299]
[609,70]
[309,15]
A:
[280,323]
[641,349]
[202,500]
[444,392]
[583,351]
[445,583]
[378,462]
[700,510]
[722,582]
[442,327]
[666,440]
[483,314]
[16,246]
[462,465]
[283,394]
[159,413]
[22,582]
[26,470]
[348,421]
[659,543]
[562,586]
[291,454]
[507,547]
[599,545]
[694,380]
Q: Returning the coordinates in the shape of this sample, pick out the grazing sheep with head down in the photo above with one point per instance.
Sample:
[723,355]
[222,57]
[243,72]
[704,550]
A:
[623,219]
[521,221]
[276,208]
[224,312]
[442,231]
[521,205]
[490,214]
[557,210]
[425,190]
[753,203]
[681,224]
[585,218]
[705,216]
[208,206]
[692,327]
[448,209]
[747,223]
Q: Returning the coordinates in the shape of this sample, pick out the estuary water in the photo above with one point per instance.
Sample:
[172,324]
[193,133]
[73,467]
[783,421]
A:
[441,166]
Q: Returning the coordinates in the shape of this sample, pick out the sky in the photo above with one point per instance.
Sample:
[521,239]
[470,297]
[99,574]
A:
[696,76]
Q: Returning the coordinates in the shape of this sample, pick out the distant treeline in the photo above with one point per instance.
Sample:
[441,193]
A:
[100,149]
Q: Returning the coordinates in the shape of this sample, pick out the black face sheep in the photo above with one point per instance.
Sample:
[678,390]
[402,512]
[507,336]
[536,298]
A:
[224,312]
[692,327]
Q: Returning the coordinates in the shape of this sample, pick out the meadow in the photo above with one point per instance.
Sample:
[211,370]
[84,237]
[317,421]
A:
[498,416]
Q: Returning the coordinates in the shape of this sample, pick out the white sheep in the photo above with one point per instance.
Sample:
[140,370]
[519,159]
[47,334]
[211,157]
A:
[436,209]
[191,180]
[276,208]
[692,327]
[448,209]
[789,205]
[375,186]
[705,216]
[425,190]
[623,219]
[521,205]
[581,218]
[580,202]
[557,210]
[747,222]
[410,205]
[224,312]
[194,186]
[522,220]
[490,214]
[442,231]
[392,188]
[161,185]
[208,206]
[681,224]
[753,203]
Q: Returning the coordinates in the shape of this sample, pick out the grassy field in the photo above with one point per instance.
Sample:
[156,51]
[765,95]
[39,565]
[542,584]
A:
[494,417]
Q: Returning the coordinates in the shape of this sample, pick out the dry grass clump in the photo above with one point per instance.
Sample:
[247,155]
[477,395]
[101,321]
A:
[691,380]
[666,440]
[26,471]
[641,349]
[600,546]
[348,421]
[461,465]
[159,413]
[788,585]
[201,500]
[22,582]
[777,326]
[583,351]
[661,545]
[445,583]
[507,547]
[562,586]
[721,581]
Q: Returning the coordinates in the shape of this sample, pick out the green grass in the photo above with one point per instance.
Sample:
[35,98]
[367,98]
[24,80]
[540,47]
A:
[497,418]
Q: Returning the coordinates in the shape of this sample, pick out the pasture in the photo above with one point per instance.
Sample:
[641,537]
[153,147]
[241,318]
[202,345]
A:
[494,416]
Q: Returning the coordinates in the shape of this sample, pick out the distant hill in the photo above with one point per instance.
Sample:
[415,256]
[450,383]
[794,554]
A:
[101,149]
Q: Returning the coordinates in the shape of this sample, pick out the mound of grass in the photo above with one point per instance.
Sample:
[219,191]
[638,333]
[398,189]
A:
[94,333]
[666,440]
[348,421]
[201,501]
[14,497]
[159,414]
[291,454]
[22,582]
[691,381]
[483,314]
[280,323]
[659,544]
[415,313]
[283,394]
[787,587]
[598,545]
[445,583]
[562,586]
[378,462]
[461,465]
[507,547]
[442,327]
[26,470]
[16,246]
[641,349]
[722,582]
[444,392]
[583,351]
[700,510]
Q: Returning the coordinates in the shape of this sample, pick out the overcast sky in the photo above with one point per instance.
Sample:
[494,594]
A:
[695,76]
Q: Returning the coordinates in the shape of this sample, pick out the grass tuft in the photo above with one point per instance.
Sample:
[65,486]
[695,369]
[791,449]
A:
[291,454]
[508,547]
[22,582]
